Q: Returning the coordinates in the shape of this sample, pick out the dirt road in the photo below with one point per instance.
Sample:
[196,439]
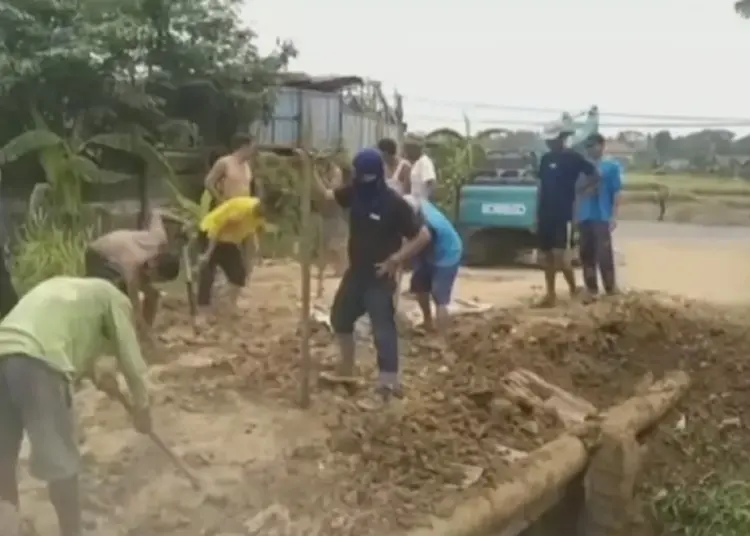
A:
[710,263]
[225,401]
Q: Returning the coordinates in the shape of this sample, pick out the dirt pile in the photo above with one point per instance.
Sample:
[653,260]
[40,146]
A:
[425,450]
[602,352]
[457,428]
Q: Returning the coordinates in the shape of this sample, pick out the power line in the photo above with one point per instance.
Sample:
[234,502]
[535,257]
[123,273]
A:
[558,111]
[500,123]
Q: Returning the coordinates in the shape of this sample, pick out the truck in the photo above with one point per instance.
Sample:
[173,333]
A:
[496,205]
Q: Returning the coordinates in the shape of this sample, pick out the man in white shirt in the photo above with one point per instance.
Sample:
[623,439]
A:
[423,175]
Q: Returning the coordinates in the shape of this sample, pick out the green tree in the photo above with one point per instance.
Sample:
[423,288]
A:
[192,60]
[743,8]
[662,142]
[206,66]
[132,67]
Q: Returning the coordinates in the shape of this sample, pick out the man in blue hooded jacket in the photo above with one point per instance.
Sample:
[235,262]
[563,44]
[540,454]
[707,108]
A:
[384,233]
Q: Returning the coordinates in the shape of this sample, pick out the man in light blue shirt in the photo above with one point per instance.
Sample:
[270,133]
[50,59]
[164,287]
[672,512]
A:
[436,268]
[597,217]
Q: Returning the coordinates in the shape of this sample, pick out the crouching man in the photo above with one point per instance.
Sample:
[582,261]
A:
[50,340]
[436,268]
[133,260]
[379,222]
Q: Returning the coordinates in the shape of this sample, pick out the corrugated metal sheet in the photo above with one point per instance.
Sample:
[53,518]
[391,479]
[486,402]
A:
[324,113]
[283,128]
[331,124]
[360,131]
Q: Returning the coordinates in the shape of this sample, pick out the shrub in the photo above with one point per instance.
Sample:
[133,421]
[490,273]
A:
[715,507]
[45,248]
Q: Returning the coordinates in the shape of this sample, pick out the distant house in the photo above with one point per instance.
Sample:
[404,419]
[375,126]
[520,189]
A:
[619,150]
[676,165]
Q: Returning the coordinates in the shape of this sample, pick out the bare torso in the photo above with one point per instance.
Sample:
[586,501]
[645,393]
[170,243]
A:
[237,179]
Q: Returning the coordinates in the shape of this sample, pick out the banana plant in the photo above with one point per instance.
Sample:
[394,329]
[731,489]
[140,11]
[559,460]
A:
[456,156]
[69,162]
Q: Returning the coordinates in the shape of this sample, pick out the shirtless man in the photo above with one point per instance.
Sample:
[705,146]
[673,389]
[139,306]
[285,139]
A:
[397,169]
[333,225]
[225,229]
[232,176]
[133,260]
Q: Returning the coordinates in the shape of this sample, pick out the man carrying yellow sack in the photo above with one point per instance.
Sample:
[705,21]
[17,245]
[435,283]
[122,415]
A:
[224,232]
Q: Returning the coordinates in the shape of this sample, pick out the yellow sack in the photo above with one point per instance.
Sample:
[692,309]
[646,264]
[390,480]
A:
[234,220]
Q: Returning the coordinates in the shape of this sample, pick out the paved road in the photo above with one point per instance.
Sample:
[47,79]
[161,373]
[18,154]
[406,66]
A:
[644,230]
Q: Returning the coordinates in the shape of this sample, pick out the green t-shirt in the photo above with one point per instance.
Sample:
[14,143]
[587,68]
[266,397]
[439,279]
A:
[69,322]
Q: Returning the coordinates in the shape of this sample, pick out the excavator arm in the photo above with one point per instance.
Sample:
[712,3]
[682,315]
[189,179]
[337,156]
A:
[582,125]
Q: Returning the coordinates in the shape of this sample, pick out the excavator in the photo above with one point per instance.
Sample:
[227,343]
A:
[496,205]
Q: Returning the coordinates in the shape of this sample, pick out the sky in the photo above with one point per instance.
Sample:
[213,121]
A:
[476,56]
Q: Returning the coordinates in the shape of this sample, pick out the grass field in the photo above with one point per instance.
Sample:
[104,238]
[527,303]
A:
[692,199]
[693,184]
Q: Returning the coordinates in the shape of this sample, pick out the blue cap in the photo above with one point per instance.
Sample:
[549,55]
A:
[368,166]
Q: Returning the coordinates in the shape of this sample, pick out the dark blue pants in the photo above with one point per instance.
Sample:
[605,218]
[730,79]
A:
[363,292]
[553,234]
[596,253]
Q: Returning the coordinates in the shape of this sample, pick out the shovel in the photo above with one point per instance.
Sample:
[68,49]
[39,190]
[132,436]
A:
[108,385]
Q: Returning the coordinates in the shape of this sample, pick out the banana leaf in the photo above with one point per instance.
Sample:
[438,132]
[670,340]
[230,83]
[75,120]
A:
[29,142]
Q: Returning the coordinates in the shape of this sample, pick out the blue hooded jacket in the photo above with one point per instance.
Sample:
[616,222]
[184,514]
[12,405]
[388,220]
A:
[368,182]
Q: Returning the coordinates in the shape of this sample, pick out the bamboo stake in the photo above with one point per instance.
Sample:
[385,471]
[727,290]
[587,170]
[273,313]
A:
[305,252]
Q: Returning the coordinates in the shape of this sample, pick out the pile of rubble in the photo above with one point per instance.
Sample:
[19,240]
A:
[504,384]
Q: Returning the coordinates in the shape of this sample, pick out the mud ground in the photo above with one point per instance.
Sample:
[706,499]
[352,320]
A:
[225,400]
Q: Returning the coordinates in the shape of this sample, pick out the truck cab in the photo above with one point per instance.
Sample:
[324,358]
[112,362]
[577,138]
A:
[495,215]
[496,207]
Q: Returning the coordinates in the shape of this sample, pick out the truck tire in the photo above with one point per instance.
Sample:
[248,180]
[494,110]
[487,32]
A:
[492,247]
[478,250]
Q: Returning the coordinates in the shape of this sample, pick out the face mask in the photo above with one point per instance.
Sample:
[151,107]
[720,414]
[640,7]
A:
[366,179]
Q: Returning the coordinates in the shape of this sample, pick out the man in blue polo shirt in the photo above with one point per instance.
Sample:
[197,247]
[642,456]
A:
[597,216]
[565,176]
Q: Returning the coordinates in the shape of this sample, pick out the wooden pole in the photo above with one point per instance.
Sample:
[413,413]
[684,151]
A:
[305,252]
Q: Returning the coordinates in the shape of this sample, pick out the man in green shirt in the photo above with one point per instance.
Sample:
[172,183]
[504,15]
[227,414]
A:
[49,341]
